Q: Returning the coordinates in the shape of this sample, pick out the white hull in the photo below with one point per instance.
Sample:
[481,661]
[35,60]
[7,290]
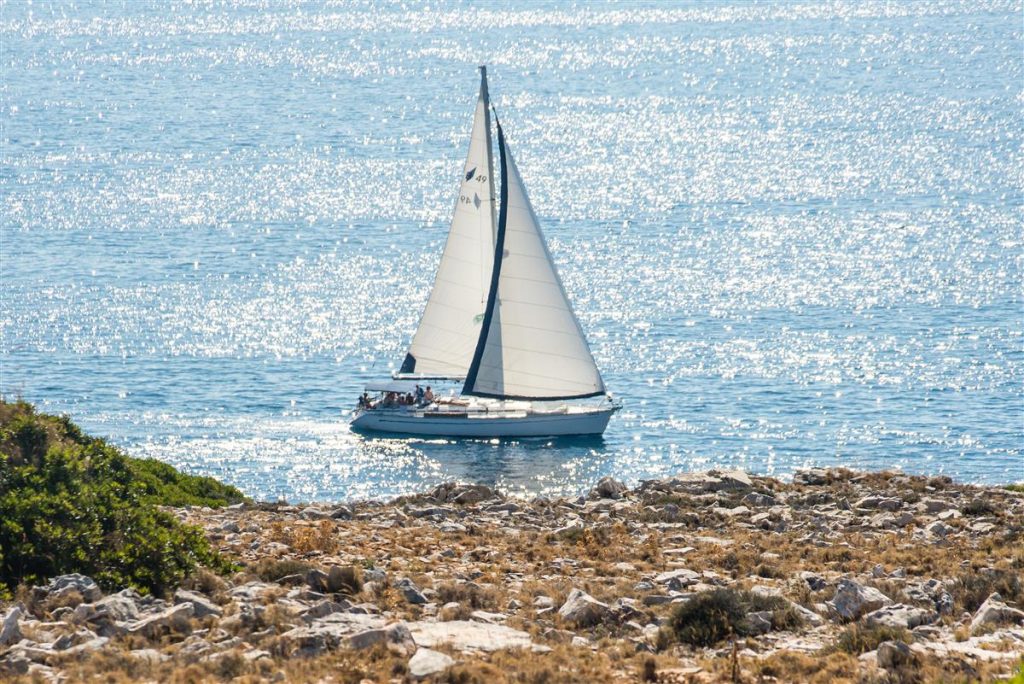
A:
[480,424]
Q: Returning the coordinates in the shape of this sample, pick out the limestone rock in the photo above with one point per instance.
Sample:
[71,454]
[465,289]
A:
[811,476]
[893,654]
[677,579]
[66,585]
[10,631]
[852,600]
[327,633]
[457,493]
[994,611]
[175,619]
[900,616]
[342,513]
[201,605]
[464,635]
[583,609]
[815,581]
[426,662]
[608,488]
[396,637]
[410,591]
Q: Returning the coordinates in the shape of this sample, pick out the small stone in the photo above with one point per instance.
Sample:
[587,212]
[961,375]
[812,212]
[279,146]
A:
[544,602]
[426,662]
[484,616]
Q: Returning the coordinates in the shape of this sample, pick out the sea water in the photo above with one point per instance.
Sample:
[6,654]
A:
[791,231]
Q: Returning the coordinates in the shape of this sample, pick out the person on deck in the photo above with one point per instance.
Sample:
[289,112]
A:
[419,395]
[428,396]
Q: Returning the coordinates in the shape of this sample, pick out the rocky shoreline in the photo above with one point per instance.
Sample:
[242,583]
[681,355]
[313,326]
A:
[835,576]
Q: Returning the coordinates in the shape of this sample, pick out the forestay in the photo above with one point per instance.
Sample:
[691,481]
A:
[448,332]
[532,346]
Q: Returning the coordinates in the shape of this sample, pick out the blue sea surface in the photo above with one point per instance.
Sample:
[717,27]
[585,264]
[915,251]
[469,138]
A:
[792,231]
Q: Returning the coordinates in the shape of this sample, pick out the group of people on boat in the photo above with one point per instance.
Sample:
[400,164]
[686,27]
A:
[419,397]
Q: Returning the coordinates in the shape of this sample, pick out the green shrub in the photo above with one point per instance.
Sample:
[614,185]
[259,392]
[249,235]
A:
[70,503]
[714,616]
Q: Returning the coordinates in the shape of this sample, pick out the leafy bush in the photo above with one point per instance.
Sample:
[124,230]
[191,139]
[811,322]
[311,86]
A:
[70,503]
[714,616]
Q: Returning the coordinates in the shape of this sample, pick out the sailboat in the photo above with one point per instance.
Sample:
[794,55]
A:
[497,328]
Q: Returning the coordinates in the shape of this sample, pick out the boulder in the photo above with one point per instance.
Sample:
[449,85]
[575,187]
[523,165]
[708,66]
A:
[608,488]
[900,616]
[853,600]
[410,591]
[994,612]
[458,493]
[678,579]
[583,609]
[68,585]
[938,529]
[342,513]
[811,476]
[396,638]
[464,635]
[815,581]
[201,605]
[175,619]
[10,631]
[893,654]
[426,662]
[317,580]
[328,633]
[314,513]
[760,622]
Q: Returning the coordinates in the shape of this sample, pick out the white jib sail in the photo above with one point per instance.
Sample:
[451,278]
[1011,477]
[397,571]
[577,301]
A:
[450,327]
[534,347]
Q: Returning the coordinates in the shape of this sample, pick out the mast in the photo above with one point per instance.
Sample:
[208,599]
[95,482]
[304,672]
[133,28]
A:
[486,97]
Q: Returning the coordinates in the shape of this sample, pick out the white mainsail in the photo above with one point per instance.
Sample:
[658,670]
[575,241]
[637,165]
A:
[532,346]
[448,332]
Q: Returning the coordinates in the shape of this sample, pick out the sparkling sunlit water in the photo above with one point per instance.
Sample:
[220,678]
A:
[792,232]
